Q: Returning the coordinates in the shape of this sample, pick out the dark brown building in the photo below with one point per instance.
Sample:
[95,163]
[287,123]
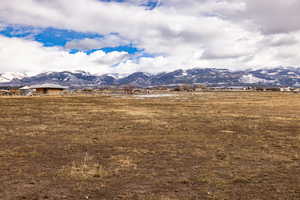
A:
[49,89]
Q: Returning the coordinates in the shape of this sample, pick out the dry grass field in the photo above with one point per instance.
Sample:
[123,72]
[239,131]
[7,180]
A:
[194,146]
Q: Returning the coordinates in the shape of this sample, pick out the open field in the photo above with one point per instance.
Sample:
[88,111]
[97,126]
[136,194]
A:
[203,146]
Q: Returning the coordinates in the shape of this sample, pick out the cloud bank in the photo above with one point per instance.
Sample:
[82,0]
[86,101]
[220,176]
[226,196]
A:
[177,34]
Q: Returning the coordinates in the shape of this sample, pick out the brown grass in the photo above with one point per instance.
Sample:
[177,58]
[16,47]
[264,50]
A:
[87,168]
[192,146]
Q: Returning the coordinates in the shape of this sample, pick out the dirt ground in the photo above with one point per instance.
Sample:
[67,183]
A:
[234,145]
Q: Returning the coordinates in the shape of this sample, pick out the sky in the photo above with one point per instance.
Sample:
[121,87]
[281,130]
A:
[126,36]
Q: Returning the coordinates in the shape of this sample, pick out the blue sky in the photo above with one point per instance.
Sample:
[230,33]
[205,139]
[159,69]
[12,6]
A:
[50,37]
[150,4]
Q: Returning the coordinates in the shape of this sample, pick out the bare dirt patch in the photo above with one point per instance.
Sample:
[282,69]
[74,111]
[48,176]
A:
[194,146]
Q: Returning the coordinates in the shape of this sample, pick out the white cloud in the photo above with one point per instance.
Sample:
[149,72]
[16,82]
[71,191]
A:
[27,56]
[190,33]
[111,40]
[2,27]
[272,17]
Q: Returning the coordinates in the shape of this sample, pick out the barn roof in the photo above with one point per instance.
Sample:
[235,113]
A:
[25,88]
[48,86]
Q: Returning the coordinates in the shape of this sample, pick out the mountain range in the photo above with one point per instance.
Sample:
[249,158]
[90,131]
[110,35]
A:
[279,76]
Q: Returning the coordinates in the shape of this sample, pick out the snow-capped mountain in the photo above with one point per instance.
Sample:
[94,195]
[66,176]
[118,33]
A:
[251,79]
[76,78]
[280,76]
[9,76]
[137,78]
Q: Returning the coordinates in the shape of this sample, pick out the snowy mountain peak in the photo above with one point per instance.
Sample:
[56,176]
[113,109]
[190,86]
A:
[249,78]
[289,76]
[9,76]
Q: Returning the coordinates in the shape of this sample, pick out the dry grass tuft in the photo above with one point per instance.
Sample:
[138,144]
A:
[85,169]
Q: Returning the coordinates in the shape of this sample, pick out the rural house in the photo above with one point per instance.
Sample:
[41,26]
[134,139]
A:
[49,89]
[25,91]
